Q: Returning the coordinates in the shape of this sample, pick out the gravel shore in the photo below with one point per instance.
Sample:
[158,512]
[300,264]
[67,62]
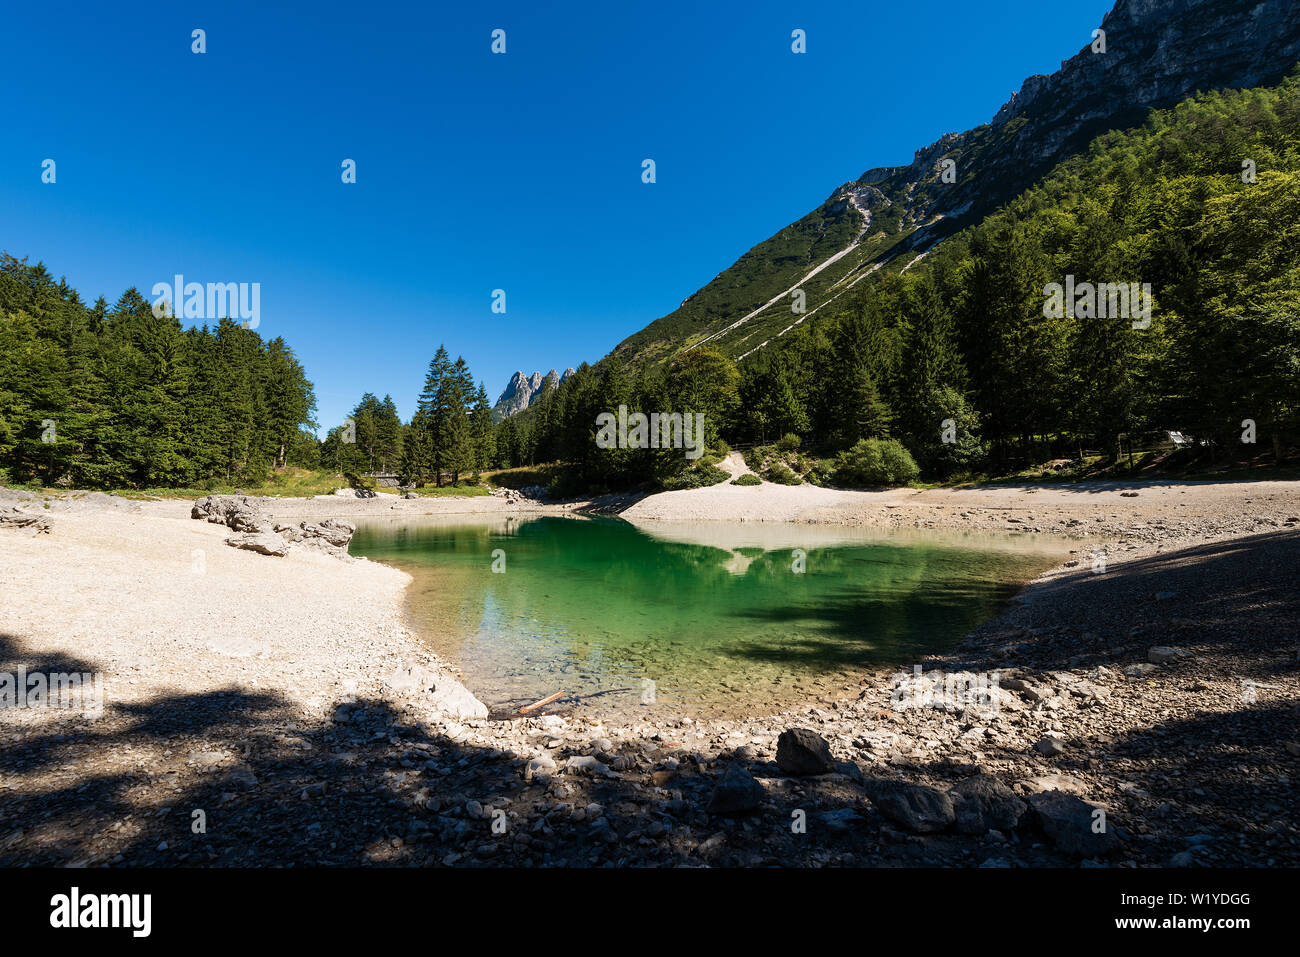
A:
[285,700]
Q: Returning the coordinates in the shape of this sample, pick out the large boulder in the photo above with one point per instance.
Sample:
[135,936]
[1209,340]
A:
[238,512]
[1074,826]
[800,752]
[983,803]
[920,809]
[736,793]
[330,535]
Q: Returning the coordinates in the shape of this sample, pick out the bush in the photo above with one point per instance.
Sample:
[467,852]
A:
[697,477]
[754,459]
[875,462]
[820,474]
[749,478]
[782,476]
[788,443]
[723,449]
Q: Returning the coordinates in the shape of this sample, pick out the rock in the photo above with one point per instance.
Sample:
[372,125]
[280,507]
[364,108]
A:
[264,543]
[542,765]
[17,518]
[1162,654]
[450,697]
[447,695]
[840,821]
[241,778]
[586,764]
[238,512]
[983,803]
[1070,822]
[331,536]
[1183,859]
[410,496]
[1140,670]
[208,759]
[1050,747]
[1166,595]
[736,792]
[1056,782]
[800,752]
[918,808]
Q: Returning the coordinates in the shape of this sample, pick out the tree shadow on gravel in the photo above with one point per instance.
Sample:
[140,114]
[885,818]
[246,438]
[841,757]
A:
[374,787]
[1237,599]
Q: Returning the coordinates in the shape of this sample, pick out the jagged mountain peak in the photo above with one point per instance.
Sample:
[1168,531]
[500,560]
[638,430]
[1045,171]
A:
[523,390]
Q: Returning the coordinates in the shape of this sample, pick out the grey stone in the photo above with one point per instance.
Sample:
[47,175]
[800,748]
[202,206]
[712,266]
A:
[918,808]
[736,792]
[1070,821]
[983,803]
[264,543]
[800,752]
[1050,747]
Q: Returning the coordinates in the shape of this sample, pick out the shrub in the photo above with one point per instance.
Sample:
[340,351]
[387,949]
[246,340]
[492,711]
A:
[782,476]
[788,442]
[749,478]
[697,477]
[875,462]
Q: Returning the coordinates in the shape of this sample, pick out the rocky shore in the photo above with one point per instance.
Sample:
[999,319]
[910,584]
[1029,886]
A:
[1140,710]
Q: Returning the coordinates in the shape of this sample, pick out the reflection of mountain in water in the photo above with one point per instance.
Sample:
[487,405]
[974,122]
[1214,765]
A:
[586,605]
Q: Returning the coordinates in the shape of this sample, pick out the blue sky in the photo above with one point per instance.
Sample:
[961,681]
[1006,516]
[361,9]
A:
[475,171]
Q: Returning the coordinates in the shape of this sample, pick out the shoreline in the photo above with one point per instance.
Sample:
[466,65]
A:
[291,730]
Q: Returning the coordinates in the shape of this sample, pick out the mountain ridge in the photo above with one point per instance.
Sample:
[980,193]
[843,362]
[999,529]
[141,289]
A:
[1156,53]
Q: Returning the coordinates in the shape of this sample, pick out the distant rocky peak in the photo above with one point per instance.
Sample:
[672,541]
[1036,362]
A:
[523,390]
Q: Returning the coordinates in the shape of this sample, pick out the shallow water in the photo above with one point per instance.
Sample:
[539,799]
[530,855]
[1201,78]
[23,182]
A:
[705,618]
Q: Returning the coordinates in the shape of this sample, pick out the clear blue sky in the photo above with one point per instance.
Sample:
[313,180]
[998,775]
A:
[475,171]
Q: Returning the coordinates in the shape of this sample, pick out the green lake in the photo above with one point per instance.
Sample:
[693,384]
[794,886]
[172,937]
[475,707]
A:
[707,618]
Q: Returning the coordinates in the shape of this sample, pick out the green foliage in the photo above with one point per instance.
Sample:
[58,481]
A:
[100,397]
[875,462]
[779,473]
[749,478]
[697,476]
[788,442]
[952,445]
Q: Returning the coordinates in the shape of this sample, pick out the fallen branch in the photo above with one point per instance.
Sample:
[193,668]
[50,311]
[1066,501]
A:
[537,704]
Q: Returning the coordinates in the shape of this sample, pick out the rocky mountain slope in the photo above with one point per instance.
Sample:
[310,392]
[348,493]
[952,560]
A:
[1156,53]
[522,391]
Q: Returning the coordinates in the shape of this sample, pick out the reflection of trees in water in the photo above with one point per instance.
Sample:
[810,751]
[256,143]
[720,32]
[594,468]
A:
[603,597]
